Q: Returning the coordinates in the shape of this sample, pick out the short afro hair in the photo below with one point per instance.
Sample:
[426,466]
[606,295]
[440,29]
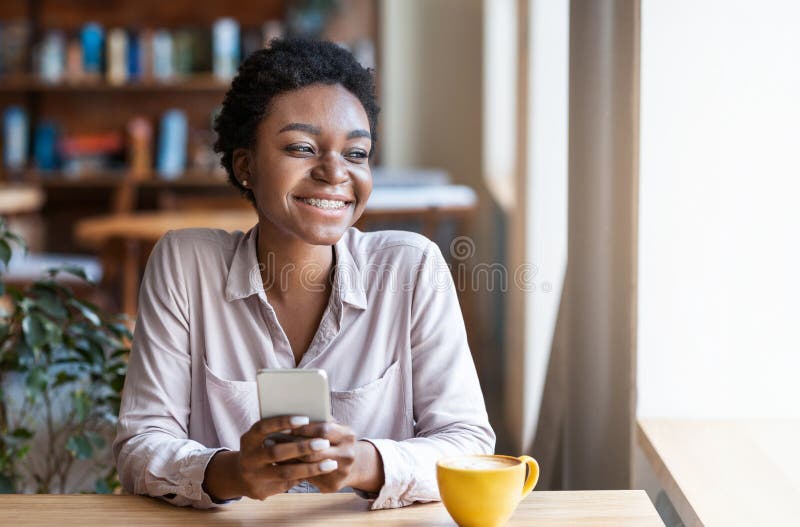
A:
[288,64]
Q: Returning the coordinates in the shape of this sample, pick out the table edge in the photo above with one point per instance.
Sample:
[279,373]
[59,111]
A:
[671,487]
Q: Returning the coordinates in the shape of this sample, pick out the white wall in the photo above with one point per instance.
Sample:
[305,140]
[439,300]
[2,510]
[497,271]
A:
[719,225]
[431,76]
[431,82]
[500,79]
[546,194]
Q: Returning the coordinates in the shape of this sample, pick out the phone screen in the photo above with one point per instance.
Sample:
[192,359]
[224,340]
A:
[294,392]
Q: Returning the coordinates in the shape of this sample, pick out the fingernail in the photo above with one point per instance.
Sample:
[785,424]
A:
[298,420]
[319,444]
[328,465]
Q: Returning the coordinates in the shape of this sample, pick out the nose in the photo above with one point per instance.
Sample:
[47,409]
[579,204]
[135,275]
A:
[331,169]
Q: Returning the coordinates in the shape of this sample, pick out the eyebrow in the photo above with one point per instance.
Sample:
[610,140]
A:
[359,133]
[314,130]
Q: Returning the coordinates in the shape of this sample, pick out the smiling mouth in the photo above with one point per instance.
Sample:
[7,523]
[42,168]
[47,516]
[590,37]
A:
[325,204]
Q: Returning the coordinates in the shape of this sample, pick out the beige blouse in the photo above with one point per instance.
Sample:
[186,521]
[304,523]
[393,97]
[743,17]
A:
[392,341]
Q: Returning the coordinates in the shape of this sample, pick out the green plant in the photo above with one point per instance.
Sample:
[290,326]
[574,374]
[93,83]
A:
[62,366]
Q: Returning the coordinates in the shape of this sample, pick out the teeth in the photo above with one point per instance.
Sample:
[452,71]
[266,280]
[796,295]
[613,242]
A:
[325,203]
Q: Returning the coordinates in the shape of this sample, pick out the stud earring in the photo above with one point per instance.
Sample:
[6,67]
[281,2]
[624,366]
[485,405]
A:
[244,182]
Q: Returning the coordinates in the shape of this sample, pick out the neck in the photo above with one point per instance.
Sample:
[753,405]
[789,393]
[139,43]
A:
[290,265]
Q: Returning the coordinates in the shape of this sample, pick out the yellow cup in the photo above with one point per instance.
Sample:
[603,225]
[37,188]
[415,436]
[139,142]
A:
[484,490]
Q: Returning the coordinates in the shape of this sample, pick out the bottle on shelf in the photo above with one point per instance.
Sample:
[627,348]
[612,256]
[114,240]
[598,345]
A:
[45,147]
[52,57]
[182,53]
[140,153]
[163,67]
[15,36]
[15,138]
[226,48]
[74,70]
[117,57]
[92,44]
[172,143]
[134,56]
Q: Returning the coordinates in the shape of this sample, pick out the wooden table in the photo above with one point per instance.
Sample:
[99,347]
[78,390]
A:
[19,199]
[625,508]
[124,240]
[95,232]
[727,472]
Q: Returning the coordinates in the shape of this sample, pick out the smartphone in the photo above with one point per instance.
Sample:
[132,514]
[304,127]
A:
[293,392]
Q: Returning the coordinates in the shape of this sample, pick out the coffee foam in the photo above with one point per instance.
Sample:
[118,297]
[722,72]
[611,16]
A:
[479,463]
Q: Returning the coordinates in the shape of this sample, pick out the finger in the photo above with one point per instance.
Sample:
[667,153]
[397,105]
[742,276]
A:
[327,483]
[301,471]
[254,437]
[344,455]
[334,432]
[318,456]
[318,429]
[279,452]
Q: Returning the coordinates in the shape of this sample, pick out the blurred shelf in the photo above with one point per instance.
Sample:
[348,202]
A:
[189,180]
[117,178]
[200,83]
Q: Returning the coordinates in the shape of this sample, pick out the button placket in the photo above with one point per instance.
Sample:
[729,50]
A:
[327,331]
[280,342]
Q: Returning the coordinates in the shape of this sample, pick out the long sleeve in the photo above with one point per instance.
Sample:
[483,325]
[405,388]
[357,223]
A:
[449,411]
[154,455]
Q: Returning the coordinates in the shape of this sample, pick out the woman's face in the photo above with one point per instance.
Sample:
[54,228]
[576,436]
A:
[309,170]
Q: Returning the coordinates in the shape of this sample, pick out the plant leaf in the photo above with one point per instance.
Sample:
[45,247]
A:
[22,452]
[117,383]
[20,357]
[121,331]
[101,486]
[82,403]
[52,286]
[64,378]
[16,238]
[36,382]
[75,270]
[79,446]
[5,252]
[85,310]
[53,334]
[120,352]
[22,434]
[51,304]
[7,485]
[33,329]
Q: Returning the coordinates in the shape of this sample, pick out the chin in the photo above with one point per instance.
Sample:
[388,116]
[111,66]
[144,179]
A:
[323,236]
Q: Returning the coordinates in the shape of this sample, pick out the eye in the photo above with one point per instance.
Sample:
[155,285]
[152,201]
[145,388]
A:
[357,155]
[300,148]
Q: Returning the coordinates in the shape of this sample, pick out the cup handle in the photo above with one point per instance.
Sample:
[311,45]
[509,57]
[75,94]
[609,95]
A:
[533,474]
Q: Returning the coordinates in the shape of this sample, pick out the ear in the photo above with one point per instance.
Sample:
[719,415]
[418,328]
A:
[243,166]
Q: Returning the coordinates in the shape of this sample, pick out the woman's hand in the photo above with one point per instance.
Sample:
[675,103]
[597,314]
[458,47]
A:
[359,464]
[260,470]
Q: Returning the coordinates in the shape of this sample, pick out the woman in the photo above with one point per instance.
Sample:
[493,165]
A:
[301,289]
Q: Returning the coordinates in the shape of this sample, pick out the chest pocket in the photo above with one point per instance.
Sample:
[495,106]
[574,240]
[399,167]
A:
[376,410]
[233,406]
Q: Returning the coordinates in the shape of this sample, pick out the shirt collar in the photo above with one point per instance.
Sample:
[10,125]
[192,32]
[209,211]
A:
[347,277]
[244,275]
